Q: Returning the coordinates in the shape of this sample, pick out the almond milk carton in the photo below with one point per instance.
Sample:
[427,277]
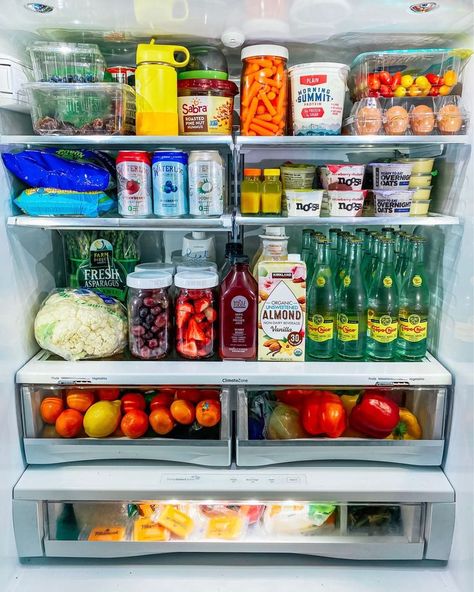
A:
[281,310]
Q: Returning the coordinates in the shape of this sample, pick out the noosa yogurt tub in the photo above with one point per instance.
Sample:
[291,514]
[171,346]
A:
[317,98]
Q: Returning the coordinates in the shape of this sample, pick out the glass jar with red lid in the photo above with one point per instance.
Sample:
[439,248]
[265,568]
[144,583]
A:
[196,314]
[134,184]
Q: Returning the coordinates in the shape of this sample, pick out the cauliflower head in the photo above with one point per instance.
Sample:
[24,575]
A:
[78,324]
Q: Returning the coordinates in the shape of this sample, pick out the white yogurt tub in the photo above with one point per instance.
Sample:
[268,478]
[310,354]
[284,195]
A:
[420,181]
[304,202]
[420,208]
[421,193]
[391,175]
[421,166]
[345,203]
[317,98]
[342,177]
[297,176]
[393,203]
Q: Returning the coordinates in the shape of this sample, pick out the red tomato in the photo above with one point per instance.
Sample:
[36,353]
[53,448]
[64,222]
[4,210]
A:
[108,394]
[163,398]
[373,81]
[385,90]
[134,424]
[193,395]
[132,401]
[396,80]
[385,77]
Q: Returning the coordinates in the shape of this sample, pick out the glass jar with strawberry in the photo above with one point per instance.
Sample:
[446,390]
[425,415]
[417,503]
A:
[149,314]
[196,314]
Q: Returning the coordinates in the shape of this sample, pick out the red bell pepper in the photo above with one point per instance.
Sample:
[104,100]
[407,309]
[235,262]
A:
[323,413]
[374,415]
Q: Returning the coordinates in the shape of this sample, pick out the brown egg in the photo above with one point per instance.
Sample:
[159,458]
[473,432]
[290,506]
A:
[368,121]
[450,119]
[396,121]
[422,120]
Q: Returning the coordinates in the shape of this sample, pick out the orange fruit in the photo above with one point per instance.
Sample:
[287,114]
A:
[161,420]
[69,423]
[108,394]
[80,400]
[162,398]
[134,423]
[50,409]
[183,411]
[208,413]
[133,401]
[191,395]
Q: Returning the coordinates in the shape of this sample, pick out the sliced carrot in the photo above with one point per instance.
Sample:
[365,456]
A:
[266,102]
[270,126]
[261,131]
[277,118]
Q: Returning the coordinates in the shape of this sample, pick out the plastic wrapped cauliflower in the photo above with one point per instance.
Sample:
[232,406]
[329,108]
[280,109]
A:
[79,324]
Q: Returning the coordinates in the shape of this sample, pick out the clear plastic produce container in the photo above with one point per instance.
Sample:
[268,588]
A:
[423,116]
[82,109]
[67,62]
[431,72]
[149,314]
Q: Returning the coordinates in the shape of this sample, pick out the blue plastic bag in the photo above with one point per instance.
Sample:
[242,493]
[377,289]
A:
[43,201]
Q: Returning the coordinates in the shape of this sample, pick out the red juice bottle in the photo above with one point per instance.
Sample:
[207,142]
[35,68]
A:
[238,312]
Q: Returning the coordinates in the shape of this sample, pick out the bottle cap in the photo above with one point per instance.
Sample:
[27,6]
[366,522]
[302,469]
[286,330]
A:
[198,234]
[252,172]
[264,50]
[165,267]
[196,279]
[274,231]
[239,259]
[149,279]
[233,248]
[271,172]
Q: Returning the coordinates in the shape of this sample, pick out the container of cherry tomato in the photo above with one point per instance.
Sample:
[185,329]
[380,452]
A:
[409,72]
[264,90]
[196,314]
[149,315]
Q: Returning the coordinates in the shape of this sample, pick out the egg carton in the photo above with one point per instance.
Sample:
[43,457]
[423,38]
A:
[418,116]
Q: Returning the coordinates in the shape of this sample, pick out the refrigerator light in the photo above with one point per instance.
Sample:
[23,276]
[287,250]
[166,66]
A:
[39,7]
[423,7]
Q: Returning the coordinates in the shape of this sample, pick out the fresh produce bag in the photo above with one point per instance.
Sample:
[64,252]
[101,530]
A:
[81,324]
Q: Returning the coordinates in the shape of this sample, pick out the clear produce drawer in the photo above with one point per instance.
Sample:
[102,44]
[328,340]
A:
[172,423]
[282,425]
[340,510]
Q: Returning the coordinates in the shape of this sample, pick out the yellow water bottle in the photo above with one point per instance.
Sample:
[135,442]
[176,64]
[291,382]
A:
[157,88]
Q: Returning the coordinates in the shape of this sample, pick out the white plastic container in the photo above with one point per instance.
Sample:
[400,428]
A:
[304,202]
[198,245]
[345,203]
[420,207]
[342,177]
[156,266]
[297,176]
[391,175]
[393,203]
[317,98]
[206,183]
[420,166]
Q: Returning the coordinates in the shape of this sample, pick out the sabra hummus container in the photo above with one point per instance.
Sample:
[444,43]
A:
[421,193]
[419,208]
[393,203]
[420,166]
[345,203]
[297,176]
[205,106]
[303,202]
[342,177]
[391,175]
[317,98]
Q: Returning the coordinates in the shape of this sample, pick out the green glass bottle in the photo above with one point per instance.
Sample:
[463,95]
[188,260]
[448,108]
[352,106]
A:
[372,266]
[343,260]
[322,309]
[382,316]
[333,239]
[352,307]
[414,306]
[403,256]
[306,244]
[388,232]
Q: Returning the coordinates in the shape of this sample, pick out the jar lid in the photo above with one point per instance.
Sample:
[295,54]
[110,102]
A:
[271,172]
[209,74]
[252,172]
[149,279]
[166,267]
[197,265]
[203,84]
[134,156]
[196,279]
[253,51]
[168,155]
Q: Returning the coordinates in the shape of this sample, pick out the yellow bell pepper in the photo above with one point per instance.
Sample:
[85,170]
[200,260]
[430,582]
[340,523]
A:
[408,427]
[349,402]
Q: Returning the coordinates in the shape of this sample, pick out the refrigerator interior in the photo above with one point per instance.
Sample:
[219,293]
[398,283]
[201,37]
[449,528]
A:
[30,268]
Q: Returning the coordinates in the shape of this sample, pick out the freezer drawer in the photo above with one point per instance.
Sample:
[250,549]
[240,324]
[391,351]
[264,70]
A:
[91,512]
[269,433]
[193,444]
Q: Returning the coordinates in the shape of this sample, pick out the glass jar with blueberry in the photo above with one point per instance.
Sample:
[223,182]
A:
[149,314]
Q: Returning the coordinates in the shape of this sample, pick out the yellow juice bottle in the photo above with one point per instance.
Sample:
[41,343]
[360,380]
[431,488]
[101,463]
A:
[250,192]
[271,192]
[157,88]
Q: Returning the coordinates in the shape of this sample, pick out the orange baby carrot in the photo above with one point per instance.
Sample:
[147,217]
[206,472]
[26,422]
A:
[281,102]
[270,126]
[265,72]
[251,134]
[260,130]
[263,116]
[266,102]
[261,110]
[271,95]
[244,113]
[251,93]
[250,115]
[270,82]
[253,68]
[261,62]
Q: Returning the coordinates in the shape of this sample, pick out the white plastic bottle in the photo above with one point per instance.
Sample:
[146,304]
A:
[274,243]
[198,245]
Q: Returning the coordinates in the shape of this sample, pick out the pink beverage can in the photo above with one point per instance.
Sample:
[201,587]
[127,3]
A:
[134,184]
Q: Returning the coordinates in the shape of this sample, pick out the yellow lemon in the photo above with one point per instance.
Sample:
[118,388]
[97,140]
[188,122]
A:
[102,419]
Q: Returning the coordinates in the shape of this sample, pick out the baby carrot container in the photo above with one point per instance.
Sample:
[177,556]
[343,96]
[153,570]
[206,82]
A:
[264,90]
[317,98]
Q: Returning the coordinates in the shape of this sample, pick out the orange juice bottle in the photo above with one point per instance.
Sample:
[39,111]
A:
[271,192]
[157,88]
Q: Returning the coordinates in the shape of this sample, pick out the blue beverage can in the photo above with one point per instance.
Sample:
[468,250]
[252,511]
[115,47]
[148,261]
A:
[170,183]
